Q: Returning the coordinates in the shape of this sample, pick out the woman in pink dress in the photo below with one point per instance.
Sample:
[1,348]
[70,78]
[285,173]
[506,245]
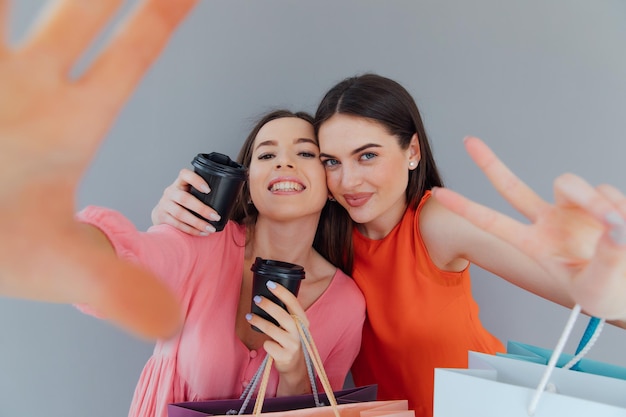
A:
[51,123]
[278,216]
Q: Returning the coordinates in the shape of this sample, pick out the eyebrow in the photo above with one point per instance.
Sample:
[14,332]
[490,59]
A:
[356,151]
[296,141]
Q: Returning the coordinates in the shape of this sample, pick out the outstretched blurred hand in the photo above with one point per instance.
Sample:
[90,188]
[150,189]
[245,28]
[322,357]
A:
[50,129]
[581,238]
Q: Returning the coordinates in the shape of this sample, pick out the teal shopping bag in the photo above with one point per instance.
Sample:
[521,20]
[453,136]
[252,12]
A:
[531,353]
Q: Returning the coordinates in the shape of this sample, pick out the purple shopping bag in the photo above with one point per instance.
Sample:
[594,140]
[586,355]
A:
[223,407]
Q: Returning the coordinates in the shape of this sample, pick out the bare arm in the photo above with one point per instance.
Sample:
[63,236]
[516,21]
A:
[453,241]
[50,128]
[580,240]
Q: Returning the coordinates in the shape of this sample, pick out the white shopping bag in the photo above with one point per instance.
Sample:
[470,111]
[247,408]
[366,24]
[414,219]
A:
[503,387]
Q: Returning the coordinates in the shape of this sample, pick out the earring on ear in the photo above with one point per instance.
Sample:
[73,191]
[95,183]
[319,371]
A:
[331,198]
[412,164]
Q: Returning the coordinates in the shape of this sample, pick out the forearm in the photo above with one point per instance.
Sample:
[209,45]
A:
[97,236]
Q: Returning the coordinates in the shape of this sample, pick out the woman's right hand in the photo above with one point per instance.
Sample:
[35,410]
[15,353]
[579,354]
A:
[52,122]
[176,201]
[284,344]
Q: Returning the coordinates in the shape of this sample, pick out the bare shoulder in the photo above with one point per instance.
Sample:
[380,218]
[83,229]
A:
[436,222]
[443,233]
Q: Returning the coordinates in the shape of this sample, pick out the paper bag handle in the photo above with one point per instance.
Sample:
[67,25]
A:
[588,341]
[310,351]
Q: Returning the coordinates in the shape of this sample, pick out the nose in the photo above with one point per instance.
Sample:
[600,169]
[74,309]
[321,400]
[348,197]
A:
[284,165]
[350,177]
[284,161]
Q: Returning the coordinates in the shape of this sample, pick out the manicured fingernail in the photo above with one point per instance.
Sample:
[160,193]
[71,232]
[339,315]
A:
[214,216]
[248,316]
[210,228]
[614,218]
[205,189]
[618,234]
[257,299]
[271,285]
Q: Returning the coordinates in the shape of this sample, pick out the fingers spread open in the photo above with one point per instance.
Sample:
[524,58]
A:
[134,47]
[65,29]
[515,191]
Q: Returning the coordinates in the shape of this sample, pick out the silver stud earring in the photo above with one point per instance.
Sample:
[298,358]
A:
[412,164]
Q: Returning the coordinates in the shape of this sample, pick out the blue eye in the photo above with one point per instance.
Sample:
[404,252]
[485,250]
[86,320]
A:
[307,154]
[368,155]
[266,156]
[330,162]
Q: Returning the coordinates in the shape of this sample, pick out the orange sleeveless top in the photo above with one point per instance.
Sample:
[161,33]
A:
[418,316]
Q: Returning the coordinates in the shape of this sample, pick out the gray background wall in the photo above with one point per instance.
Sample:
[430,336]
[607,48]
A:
[542,81]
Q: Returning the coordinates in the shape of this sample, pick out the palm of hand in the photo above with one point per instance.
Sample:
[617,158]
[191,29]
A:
[561,239]
[50,128]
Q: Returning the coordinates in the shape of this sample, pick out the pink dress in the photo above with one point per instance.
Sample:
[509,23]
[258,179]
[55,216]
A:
[207,360]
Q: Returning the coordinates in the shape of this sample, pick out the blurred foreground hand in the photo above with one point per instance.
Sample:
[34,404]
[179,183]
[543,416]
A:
[50,128]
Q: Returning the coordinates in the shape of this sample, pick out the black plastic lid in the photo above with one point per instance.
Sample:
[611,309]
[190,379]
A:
[220,164]
[277,268]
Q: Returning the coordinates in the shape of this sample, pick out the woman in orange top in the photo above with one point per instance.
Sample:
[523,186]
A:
[411,255]
[408,253]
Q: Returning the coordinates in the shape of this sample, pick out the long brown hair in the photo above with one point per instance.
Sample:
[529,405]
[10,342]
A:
[388,103]
[246,213]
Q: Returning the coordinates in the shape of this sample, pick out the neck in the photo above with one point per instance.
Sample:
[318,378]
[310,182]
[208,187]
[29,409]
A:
[382,225]
[287,241]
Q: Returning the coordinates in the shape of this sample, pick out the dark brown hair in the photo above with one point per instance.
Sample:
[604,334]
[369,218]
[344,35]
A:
[388,103]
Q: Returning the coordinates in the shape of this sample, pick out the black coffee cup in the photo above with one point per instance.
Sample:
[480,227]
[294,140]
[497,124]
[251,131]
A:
[283,273]
[225,178]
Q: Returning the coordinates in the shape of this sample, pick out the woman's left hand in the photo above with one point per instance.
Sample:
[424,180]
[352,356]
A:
[580,239]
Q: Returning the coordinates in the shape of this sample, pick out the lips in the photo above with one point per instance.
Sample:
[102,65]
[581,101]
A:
[286,186]
[357,200]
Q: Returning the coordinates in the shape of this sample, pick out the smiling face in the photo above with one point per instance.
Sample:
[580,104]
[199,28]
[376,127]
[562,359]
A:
[367,171]
[286,178]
